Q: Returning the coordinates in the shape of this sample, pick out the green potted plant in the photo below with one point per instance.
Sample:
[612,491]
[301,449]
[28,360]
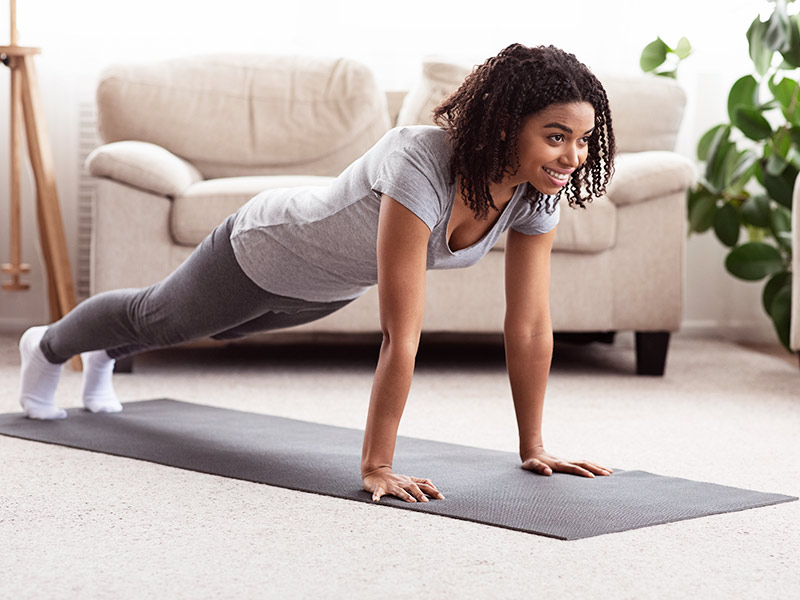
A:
[750,163]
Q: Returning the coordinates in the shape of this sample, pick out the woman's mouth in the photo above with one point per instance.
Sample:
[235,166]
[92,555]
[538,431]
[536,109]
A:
[558,178]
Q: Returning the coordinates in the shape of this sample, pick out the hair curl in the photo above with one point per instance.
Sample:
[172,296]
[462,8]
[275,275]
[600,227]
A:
[496,98]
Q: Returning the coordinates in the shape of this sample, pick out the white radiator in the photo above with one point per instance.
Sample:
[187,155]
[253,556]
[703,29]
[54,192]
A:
[88,140]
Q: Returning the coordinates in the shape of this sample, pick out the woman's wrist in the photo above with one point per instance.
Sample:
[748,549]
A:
[531,449]
[367,469]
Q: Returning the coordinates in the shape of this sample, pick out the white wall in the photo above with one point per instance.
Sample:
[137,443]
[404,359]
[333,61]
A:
[79,38]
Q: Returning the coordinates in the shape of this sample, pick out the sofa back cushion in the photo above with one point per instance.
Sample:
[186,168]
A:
[646,110]
[241,115]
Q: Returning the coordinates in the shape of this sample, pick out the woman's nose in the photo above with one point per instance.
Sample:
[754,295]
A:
[570,156]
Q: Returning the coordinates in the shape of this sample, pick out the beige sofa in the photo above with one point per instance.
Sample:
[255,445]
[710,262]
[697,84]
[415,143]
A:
[190,140]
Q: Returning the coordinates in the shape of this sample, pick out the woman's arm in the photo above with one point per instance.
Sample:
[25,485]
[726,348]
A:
[402,258]
[529,348]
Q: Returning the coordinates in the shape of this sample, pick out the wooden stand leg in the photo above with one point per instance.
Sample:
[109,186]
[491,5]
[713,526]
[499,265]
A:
[15,268]
[47,257]
[50,224]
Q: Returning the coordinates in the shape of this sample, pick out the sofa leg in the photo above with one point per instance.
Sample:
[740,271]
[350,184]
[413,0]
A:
[651,352]
[124,365]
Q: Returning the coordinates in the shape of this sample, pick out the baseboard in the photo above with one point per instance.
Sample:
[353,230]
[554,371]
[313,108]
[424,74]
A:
[752,332]
[15,324]
[736,331]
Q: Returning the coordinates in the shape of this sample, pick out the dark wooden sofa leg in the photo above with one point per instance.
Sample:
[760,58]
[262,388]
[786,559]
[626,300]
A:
[124,365]
[651,352]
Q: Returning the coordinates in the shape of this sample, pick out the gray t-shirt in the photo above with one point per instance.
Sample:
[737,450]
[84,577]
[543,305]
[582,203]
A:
[320,243]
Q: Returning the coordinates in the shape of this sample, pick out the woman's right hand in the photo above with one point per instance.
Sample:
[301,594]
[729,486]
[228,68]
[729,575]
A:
[383,481]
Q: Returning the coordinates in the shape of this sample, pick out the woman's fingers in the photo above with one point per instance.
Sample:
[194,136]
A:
[410,493]
[582,468]
[575,470]
[426,485]
[537,466]
[596,469]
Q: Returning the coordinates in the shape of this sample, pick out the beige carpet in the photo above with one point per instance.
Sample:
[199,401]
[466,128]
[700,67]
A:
[79,525]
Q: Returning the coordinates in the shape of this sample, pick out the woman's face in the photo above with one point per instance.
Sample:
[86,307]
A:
[552,144]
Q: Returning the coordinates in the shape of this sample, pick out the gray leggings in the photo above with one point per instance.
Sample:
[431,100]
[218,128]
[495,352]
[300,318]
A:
[207,296]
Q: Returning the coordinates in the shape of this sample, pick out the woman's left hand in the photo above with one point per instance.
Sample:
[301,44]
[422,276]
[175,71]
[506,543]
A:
[543,463]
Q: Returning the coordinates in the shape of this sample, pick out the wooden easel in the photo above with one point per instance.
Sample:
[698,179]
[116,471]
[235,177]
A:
[26,110]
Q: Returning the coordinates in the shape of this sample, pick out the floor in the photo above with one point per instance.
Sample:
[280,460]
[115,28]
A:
[75,524]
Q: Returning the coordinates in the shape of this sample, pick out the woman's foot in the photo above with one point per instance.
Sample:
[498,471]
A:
[98,392]
[38,378]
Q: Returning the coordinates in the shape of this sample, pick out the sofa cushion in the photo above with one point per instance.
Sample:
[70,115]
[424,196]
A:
[247,115]
[642,176]
[206,204]
[592,229]
[439,78]
[633,99]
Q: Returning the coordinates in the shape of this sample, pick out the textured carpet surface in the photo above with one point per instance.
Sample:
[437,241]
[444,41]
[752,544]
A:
[78,525]
[485,486]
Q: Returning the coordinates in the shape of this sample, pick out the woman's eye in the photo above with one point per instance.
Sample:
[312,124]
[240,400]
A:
[557,137]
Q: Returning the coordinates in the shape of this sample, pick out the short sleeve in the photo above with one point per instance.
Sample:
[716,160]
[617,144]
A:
[537,221]
[409,180]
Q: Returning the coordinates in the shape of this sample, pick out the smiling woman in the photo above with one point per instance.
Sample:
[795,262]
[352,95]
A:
[527,127]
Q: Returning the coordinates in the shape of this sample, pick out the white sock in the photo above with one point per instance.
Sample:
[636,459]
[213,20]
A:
[38,378]
[98,392]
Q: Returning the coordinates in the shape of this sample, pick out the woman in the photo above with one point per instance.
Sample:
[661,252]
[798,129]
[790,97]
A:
[527,127]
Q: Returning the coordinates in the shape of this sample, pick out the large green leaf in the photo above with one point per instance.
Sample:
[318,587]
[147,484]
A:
[787,93]
[794,133]
[744,168]
[792,54]
[713,137]
[774,285]
[702,211]
[726,225]
[759,53]
[781,224]
[780,187]
[744,93]
[794,157]
[781,313]
[776,34]
[721,152]
[751,123]
[775,165]
[756,211]
[753,261]
[653,55]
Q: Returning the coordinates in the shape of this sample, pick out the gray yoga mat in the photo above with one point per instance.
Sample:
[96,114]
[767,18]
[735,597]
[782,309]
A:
[479,485]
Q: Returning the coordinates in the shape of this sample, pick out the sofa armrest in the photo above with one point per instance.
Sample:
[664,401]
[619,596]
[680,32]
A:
[143,165]
[641,176]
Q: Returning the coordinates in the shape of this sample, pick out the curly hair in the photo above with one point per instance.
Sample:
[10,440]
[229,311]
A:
[496,98]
